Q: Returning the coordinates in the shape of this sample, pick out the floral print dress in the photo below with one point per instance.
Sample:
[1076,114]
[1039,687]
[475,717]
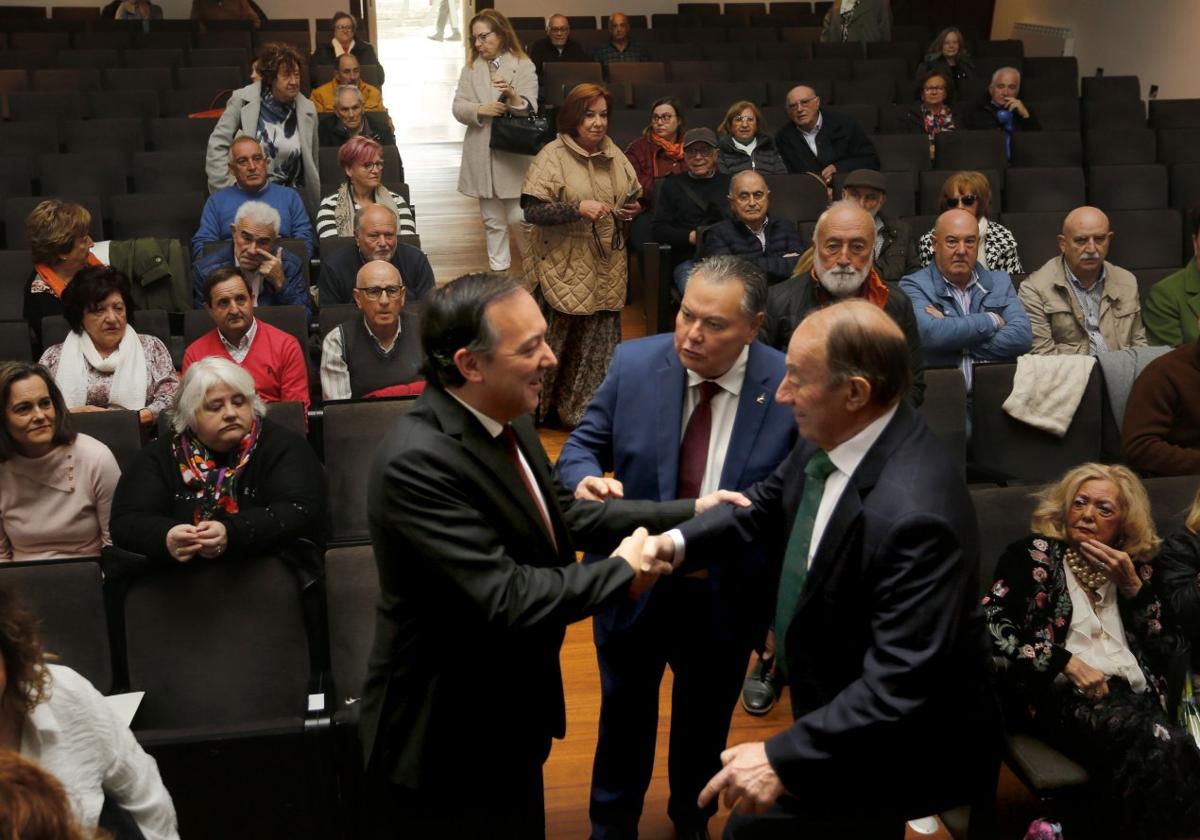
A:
[1146,766]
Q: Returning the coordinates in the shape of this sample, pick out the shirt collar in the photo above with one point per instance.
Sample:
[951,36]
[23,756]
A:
[816,128]
[846,456]
[732,379]
[1097,287]
[246,341]
[492,427]
[375,338]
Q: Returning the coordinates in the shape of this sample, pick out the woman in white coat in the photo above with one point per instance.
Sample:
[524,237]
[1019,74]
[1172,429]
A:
[498,78]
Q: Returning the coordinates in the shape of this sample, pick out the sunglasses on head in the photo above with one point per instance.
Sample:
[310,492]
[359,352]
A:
[966,201]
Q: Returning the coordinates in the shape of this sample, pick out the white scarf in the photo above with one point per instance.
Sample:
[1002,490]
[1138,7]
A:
[127,366]
[337,48]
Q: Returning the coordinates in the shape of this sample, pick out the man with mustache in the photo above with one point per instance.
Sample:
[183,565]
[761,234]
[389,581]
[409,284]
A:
[843,267]
[966,313]
[1079,302]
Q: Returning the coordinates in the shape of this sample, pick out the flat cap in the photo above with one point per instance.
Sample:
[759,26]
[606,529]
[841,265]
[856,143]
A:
[700,135]
[868,178]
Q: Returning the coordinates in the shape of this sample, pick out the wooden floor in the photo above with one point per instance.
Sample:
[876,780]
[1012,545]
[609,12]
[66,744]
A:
[421,76]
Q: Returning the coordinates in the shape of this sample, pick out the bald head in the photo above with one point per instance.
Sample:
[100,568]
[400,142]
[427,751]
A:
[1084,243]
[558,28]
[847,365]
[379,293]
[379,272]
[748,198]
[843,248]
[803,107]
[618,28]
[956,246]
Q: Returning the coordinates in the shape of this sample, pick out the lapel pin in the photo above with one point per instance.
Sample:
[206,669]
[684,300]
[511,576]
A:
[761,399]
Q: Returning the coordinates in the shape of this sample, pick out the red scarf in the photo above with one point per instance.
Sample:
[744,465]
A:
[50,276]
[672,150]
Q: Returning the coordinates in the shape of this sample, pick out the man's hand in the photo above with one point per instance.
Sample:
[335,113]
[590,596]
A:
[271,267]
[658,549]
[710,501]
[597,488]
[646,567]
[1017,105]
[827,173]
[691,237]
[749,781]
[934,311]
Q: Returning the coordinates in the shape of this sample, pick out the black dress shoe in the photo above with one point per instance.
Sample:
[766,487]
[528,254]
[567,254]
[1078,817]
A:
[761,688]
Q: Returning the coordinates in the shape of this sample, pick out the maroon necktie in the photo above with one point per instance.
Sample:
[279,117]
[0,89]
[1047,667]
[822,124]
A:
[693,450]
[509,441]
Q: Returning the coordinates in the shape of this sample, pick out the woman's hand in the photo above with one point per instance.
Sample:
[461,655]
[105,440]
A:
[629,211]
[213,538]
[182,542]
[1115,564]
[592,209]
[491,109]
[146,417]
[1087,680]
[505,89]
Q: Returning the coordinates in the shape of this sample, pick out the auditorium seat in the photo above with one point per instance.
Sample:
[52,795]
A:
[102,173]
[571,73]
[781,51]
[1006,48]
[138,78]
[1110,89]
[15,176]
[643,94]
[903,151]
[67,596]
[1035,234]
[18,208]
[218,40]
[180,133]
[334,314]
[1057,114]
[1178,145]
[112,39]
[1185,185]
[1146,238]
[1009,450]
[1130,187]
[848,50]
[721,95]
[59,106]
[945,408]
[169,171]
[1050,76]
[39,40]
[27,59]
[14,335]
[863,113]
[1043,189]
[221,58]
[931,189]
[185,101]
[159,40]
[871,91]
[971,150]
[212,79]
[174,215]
[97,59]
[352,593]
[1170,501]
[1048,148]
[1119,146]
[122,135]
[353,430]
[636,72]
[910,52]
[156,58]
[826,69]
[1175,113]
[695,71]
[118,429]
[141,105]
[1114,113]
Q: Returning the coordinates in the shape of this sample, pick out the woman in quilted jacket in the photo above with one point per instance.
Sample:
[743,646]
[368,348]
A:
[578,194]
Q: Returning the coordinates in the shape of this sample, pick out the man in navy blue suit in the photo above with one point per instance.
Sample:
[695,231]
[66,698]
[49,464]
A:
[877,610]
[676,416]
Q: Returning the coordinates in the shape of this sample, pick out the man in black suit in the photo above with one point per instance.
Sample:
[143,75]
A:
[822,142]
[877,606]
[475,544]
[558,45]
[349,119]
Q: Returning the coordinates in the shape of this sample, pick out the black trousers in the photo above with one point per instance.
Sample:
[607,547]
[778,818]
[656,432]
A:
[790,819]
[680,627]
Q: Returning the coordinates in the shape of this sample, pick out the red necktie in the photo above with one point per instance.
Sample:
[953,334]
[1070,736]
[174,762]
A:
[509,441]
[693,450]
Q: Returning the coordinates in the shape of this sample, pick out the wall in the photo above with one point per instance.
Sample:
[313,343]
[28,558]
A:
[1150,40]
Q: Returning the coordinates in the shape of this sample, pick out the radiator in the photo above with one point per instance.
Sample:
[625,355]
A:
[1042,40]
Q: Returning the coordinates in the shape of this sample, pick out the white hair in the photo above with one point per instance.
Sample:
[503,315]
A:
[204,374]
[1000,70]
[337,94]
[259,213]
[841,204]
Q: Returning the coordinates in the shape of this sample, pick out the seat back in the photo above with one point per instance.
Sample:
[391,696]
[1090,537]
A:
[971,150]
[118,429]
[1116,146]
[899,152]
[67,596]
[945,410]
[1043,189]
[14,342]
[1011,450]
[1128,187]
[1171,500]
[353,430]
[290,415]
[242,628]
[1003,515]
[1047,148]
[797,197]
[352,596]
[1146,238]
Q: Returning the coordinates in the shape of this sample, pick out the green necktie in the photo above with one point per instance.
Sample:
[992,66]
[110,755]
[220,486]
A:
[795,556]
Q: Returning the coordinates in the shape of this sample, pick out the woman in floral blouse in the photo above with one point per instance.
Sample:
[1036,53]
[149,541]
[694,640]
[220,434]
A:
[1078,637]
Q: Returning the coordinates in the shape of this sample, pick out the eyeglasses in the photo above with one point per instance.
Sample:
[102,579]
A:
[745,118]
[802,103]
[559,30]
[662,117]
[373,165]
[965,200]
[344,27]
[375,292]
[481,37]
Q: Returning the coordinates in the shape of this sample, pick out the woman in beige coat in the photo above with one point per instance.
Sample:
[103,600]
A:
[497,78]
[579,193]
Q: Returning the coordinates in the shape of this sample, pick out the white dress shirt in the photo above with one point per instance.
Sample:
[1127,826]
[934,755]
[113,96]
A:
[494,428]
[810,137]
[846,456]
[241,350]
[1097,636]
[746,148]
[724,412]
[75,736]
[335,373]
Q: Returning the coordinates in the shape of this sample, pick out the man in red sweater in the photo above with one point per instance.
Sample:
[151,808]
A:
[274,358]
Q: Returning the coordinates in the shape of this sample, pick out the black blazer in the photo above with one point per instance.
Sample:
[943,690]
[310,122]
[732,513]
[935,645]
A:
[841,141]
[886,654]
[464,675]
[982,117]
[363,51]
[331,132]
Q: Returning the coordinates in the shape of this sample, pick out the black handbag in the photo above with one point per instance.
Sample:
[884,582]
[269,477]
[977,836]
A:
[522,135]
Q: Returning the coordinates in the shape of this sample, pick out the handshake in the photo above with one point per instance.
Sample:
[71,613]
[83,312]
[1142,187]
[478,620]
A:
[652,556]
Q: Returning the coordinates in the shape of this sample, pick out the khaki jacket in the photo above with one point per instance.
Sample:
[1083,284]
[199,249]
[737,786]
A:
[576,275]
[484,173]
[1057,318]
[323,97]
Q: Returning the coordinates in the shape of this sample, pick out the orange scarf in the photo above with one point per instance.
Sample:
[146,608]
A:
[672,150]
[873,289]
[50,276]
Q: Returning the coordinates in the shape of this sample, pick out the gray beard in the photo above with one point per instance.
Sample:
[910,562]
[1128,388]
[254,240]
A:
[841,283]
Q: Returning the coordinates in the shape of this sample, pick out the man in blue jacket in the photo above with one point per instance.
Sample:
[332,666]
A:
[965,312]
[772,244]
[274,274]
[677,415]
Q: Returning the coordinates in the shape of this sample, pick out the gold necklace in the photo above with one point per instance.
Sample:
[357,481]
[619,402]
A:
[1086,574]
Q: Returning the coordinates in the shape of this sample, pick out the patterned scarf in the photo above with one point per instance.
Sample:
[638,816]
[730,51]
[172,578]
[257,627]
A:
[343,214]
[278,133]
[214,487]
[937,123]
